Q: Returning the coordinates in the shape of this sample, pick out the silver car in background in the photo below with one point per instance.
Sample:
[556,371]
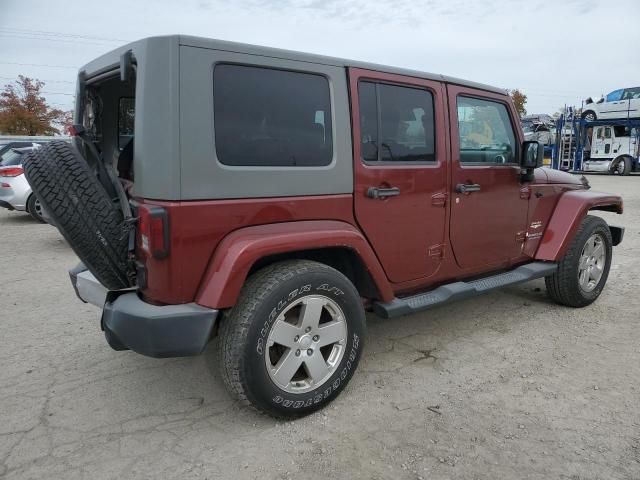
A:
[15,191]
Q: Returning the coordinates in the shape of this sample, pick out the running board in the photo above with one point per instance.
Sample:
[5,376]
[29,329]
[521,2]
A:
[461,290]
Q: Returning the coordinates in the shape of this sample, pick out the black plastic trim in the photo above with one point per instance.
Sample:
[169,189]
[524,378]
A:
[6,205]
[156,331]
[461,290]
[617,234]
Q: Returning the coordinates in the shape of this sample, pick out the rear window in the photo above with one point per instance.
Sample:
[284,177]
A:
[126,119]
[265,117]
[10,158]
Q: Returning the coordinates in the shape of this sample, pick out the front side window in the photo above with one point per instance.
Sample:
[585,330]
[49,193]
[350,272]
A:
[396,123]
[265,117]
[614,96]
[485,132]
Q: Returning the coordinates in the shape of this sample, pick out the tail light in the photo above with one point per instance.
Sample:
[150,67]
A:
[11,171]
[153,228]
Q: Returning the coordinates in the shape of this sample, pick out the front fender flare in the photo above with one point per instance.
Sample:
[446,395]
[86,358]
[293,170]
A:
[238,251]
[567,217]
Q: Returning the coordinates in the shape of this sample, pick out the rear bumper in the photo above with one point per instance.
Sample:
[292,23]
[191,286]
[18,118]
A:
[130,323]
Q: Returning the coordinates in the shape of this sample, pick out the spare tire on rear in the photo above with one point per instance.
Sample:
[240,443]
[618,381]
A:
[88,219]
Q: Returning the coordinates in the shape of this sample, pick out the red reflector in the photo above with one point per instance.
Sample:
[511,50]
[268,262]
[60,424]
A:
[5,185]
[153,227]
[11,171]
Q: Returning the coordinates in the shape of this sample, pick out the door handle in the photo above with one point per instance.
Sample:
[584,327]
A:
[378,193]
[467,187]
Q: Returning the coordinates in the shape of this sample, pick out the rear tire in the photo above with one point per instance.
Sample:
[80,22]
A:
[589,115]
[582,273]
[294,338]
[34,207]
[81,209]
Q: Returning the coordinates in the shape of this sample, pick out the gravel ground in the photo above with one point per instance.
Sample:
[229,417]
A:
[503,386]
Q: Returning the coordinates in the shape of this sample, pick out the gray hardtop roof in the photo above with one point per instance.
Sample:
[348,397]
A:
[200,42]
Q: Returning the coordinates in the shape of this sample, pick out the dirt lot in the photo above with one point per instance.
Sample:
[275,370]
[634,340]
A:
[498,387]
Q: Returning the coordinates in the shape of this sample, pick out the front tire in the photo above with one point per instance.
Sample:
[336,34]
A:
[293,340]
[584,270]
[589,115]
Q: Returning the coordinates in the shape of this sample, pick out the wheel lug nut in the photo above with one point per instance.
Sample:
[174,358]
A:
[310,351]
[316,338]
[308,329]
[296,338]
[297,353]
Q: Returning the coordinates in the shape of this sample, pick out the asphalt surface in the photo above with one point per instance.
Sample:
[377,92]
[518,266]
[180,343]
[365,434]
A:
[503,386]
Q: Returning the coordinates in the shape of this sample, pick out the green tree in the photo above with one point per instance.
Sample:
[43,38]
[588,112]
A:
[24,111]
[519,100]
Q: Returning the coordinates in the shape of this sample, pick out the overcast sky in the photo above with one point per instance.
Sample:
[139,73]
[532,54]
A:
[555,51]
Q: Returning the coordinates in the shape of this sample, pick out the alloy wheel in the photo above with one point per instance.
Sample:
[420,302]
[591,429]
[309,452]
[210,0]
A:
[592,262]
[306,344]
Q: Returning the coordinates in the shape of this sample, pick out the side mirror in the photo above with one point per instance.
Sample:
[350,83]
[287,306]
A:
[532,155]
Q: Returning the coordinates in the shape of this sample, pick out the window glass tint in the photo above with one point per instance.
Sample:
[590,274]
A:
[614,96]
[126,117]
[266,117]
[486,134]
[403,128]
[631,93]
[10,158]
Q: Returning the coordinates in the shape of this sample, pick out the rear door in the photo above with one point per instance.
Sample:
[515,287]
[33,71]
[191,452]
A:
[489,202]
[400,156]
[631,98]
[613,106]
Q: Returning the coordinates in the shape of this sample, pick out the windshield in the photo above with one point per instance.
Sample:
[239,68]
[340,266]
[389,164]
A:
[10,158]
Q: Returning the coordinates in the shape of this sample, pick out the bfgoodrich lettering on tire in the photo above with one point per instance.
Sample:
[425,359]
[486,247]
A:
[294,338]
[583,271]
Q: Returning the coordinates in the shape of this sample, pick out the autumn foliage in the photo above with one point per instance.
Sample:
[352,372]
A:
[519,100]
[24,111]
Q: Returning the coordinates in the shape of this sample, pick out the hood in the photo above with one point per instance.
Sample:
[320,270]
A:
[548,175]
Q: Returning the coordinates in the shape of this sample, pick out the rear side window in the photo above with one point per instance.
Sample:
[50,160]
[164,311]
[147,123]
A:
[486,134]
[396,123]
[126,118]
[265,117]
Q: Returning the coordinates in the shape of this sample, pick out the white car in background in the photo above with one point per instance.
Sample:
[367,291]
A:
[621,103]
[15,191]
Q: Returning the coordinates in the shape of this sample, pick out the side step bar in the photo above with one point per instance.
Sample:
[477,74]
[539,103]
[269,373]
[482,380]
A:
[461,290]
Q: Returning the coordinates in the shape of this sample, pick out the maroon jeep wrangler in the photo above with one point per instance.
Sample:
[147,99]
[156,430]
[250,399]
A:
[271,197]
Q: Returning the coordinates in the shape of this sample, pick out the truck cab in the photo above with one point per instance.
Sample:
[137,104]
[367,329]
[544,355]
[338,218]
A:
[614,149]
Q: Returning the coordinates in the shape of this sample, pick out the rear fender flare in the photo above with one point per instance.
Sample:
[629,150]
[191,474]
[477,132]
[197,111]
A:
[567,217]
[241,249]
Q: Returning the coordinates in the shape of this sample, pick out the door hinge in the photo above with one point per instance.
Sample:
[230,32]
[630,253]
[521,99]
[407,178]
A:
[436,251]
[521,236]
[525,193]
[439,199]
